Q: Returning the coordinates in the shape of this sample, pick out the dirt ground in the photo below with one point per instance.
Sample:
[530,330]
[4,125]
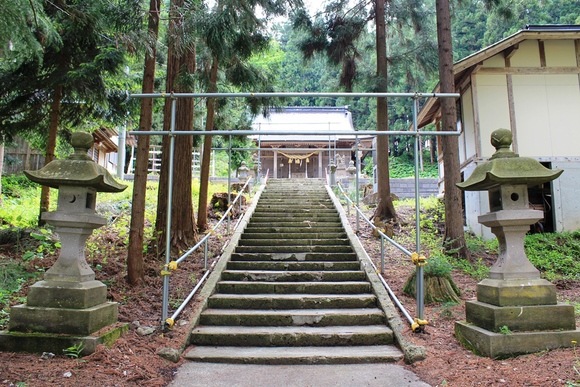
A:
[133,359]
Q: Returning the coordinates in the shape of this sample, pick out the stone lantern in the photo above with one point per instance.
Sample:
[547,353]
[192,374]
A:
[514,299]
[351,170]
[257,169]
[69,305]
[332,173]
[243,172]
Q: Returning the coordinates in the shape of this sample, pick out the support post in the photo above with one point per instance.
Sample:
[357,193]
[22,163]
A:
[165,304]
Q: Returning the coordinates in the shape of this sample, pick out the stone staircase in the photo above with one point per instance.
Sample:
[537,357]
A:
[293,290]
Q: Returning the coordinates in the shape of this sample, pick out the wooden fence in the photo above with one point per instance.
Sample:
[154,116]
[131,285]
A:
[19,156]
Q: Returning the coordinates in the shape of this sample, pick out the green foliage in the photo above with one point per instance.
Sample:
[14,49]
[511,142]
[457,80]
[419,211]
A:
[15,185]
[438,266]
[12,277]
[20,198]
[504,330]
[47,244]
[478,270]
[431,221]
[84,65]
[17,39]
[555,254]
[402,167]
[74,351]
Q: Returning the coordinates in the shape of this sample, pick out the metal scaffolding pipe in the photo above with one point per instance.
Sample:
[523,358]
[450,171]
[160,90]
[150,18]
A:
[165,303]
[419,283]
[292,95]
[366,133]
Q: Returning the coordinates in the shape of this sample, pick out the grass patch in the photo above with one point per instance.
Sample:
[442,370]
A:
[12,277]
[555,254]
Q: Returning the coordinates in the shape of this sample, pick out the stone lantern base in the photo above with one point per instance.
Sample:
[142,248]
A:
[58,315]
[516,316]
[498,346]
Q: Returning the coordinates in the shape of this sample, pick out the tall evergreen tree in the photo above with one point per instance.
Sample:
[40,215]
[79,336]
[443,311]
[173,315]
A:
[337,36]
[231,33]
[135,265]
[25,29]
[454,235]
[66,85]
[179,79]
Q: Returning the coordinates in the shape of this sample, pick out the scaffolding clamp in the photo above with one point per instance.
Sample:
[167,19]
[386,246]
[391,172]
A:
[169,323]
[418,325]
[168,268]
[418,260]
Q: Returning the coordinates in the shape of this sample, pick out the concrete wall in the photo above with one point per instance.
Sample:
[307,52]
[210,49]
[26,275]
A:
[405,188]
[565,201]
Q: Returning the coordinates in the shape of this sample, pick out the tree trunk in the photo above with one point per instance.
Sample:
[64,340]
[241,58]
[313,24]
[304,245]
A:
[206,157]
[385,208]
[183,229]
[454,235]
[437,289]
[50,148]
[135,265]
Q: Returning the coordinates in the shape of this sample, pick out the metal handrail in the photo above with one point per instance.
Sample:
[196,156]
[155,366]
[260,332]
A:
[375,228]
[415,133]
[208,234]
[171,266]
[413,322]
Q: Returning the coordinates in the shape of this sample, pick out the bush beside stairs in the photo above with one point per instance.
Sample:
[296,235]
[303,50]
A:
[291,289]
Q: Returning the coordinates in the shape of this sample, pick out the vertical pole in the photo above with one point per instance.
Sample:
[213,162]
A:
[258,174]
[329,153]
[165,304]
[275,165]
[229,178]
[320,176]
[121,153]
[356,183]
[205,255]
[419,280]
[382,255]
[212,163]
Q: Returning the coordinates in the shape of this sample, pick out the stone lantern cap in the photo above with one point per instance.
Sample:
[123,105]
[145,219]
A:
[507,167]
[76,170]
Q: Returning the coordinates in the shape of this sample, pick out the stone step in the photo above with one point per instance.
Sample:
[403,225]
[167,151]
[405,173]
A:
[295,211]
[292,317]
[293,292]
[292,206]
[295,257]
[291,335]
[293,235]
[292,266]
[296,355]
[290,226]
[260,287]
[296,196]
[317,202]
[316,217]
[293,249]
[282,242]
[292,276]
[292,301]
[302,228]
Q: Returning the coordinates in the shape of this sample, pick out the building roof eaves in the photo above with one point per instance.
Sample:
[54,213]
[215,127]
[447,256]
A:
[430,110]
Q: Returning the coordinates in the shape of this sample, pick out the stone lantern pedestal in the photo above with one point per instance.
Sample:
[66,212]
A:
[516,311]
[69,306]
